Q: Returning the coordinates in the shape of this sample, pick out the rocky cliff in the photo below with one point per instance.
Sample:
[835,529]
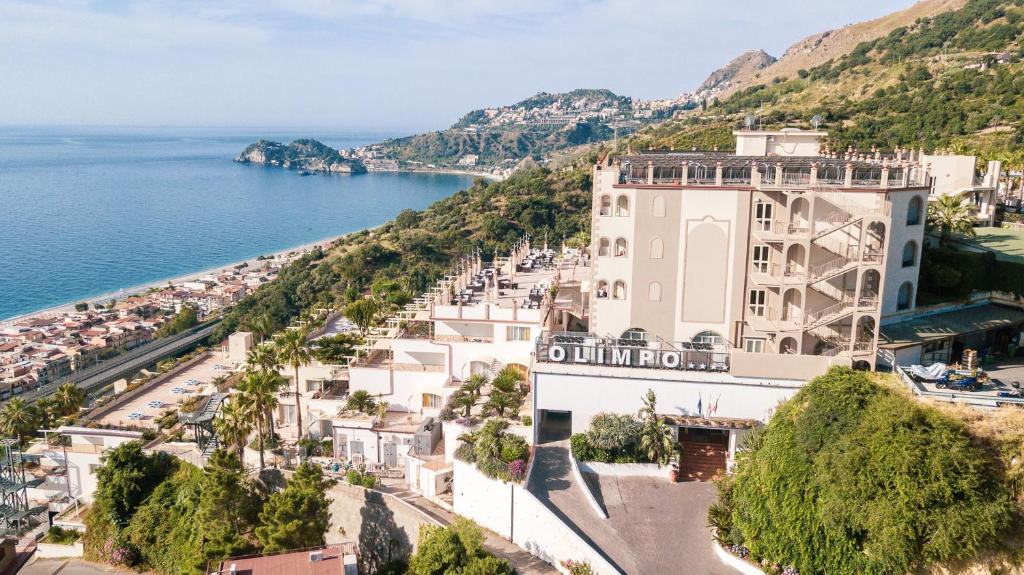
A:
[302,155]
[743,65]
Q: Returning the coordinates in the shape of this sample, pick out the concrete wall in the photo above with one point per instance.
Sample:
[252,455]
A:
[899,233]
[513,512]
[588,393]
[385,527]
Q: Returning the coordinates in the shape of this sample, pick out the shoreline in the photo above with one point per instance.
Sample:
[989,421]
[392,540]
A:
[121,293]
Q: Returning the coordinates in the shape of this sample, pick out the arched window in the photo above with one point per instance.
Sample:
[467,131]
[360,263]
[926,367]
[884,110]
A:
[658,206]
[602,289]
[622,206]
[914,209]
[910,254]
[708,337]
[606,205]
[654,291]
[657,249]
[905,297]
[788,345]
[620,248]
[604,247]
[619,290]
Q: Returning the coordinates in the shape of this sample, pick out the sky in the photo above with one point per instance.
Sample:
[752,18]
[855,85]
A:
[396,65]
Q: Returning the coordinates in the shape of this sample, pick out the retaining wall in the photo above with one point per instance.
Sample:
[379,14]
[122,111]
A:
[511,511]
[385,527]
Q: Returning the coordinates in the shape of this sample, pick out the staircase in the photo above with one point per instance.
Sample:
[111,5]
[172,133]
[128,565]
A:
[210,447]
[828,314]
[702,458]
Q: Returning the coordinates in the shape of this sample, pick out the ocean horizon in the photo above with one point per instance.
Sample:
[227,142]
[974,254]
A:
[88,211]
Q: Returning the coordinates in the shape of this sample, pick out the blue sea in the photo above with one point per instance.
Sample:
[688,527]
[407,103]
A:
[89,211]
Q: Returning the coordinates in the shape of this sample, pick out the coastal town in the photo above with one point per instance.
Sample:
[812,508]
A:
[44,348]
[772,326]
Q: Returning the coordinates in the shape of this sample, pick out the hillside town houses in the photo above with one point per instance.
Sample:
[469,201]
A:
[41,349]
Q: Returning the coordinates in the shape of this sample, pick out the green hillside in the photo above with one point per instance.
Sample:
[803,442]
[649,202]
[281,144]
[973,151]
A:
[530,129]
[949,81]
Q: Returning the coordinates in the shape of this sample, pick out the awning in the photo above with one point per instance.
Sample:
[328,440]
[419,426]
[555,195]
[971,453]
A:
[952,323]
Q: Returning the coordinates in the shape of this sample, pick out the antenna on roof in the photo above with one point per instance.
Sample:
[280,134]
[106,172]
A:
[816,121]
[749,121]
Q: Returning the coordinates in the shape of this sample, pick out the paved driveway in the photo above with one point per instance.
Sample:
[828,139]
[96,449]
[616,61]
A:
[69,567]
[653,526]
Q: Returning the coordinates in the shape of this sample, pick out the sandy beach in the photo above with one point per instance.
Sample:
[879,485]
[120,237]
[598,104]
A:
[128,291]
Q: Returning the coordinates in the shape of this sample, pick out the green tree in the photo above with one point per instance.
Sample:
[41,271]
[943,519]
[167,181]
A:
[184,320]
[228,508]
[18,419]
[501,401]
[126,477]
[474,384]
[293,349]
[363,312]
[258,397]
[68,398]
[81,306]
[457,549]
[851,477]
[261,325]
[334,349]
[263,357]
[463,400]
[656,442]
[951,214]
[234,426]
[297,516]
[362,401]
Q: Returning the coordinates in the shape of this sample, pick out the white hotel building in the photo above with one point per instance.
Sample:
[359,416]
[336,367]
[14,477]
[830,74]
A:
[721,281]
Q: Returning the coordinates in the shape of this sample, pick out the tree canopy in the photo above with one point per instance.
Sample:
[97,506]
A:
[853,477]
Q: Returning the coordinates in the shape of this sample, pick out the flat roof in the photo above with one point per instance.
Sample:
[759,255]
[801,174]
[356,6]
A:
[296,562]
[948,324]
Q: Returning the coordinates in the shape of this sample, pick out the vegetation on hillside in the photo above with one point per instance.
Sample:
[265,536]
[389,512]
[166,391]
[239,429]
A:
[457,549]
[852,476]
[302,154]
[404,257]
[939,83]
[507,135]
[155,512]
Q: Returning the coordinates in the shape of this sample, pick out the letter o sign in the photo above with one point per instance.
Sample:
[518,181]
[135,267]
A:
[556,353]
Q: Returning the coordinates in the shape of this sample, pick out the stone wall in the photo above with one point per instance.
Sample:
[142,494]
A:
[385,527]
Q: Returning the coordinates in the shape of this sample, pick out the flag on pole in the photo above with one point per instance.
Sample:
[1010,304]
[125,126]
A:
[700,408]
[714,408]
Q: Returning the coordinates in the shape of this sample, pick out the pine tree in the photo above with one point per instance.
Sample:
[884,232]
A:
[228,507]
[297,516]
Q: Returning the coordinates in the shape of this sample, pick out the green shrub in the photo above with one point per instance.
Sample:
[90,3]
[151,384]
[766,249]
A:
[527,420]
[850,477]
[614,432]
[60,536]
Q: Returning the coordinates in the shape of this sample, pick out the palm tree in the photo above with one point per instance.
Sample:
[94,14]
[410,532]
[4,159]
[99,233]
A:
[260,325]
[474,384]
[18,419]
[234,426]
[362,401]
[293,349]
[508,379]
[257,397]
[951,214]
[655,435]
[500,400]
[263,357]
[463,400]
[68,398]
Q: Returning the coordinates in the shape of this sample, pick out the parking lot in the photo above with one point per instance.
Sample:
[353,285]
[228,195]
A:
[1002,376]
[143,410]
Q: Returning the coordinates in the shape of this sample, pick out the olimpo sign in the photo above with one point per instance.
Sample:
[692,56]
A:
[632,356]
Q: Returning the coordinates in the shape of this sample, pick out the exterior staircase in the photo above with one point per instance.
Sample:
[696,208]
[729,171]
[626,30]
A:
[828,314]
